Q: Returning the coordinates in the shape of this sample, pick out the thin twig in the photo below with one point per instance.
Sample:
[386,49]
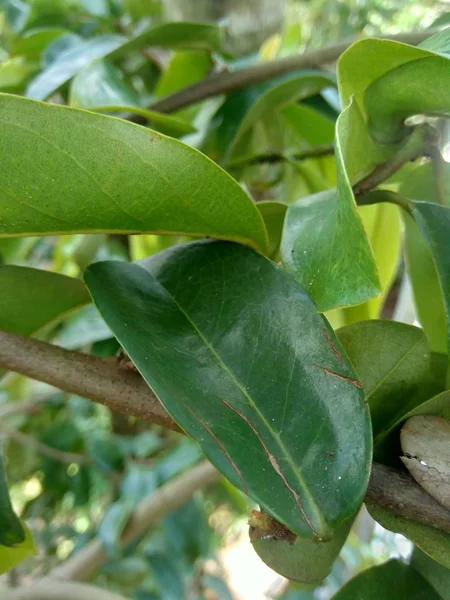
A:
[53,453]
[384,196]
[275,157]
[49,589]
[82,565]
[417,144]
[224,83]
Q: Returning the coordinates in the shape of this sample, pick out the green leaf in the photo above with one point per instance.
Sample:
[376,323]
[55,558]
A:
[71,61]
[293,89]
[308,124]
[14,72]
[168,35]
[302,560]
[417,87]
[273,214]
[324,245]
[32,298]
[393,362]
[67,170]
[367,60]
[439,42]
[33,43]
[101,84]
[240,358]
[436,575]
[434,223]
[434,542]
[11,556]
[11,531]
[184,69]
[383,228]
[176,35]
[393,580]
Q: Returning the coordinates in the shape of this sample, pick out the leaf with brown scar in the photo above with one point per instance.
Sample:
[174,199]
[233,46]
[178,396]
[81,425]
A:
[354,382]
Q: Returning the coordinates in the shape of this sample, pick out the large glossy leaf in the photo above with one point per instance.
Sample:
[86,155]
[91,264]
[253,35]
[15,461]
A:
[417,87]
[393,580]
[67,170]
[393,362]
[324,244]
[434,542]
[167,35]
[367,60]
[32,298]
[434,223]
[239,356]
[383,227]
[436,575]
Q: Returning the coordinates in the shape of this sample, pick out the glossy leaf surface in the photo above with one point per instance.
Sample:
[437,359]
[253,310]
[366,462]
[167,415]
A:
[67,170]
[239,356]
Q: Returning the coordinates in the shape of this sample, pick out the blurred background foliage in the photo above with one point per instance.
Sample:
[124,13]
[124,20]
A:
[76,469]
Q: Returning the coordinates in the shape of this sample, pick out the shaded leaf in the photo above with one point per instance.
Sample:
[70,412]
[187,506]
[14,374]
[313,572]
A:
[32,43]
[254,362]
[12,532]
[292,88]
[273,214]
[434,542]
[436,575]
[184,68]
[32,298]
[434,223]
[72,171]
[394,580]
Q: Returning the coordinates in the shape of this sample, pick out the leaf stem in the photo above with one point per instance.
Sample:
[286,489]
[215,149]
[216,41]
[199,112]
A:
[417,144]
[384,196]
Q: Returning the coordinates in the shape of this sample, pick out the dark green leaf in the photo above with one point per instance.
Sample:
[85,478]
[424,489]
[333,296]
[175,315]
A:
[11,531]
[238,355]
[67,170]
[434,223]
[31,298]
[393,580]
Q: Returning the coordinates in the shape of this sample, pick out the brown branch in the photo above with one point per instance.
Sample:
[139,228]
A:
[101,380]
[82,565]
[49,589]
[95,378]
[399,494]
[223,83]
